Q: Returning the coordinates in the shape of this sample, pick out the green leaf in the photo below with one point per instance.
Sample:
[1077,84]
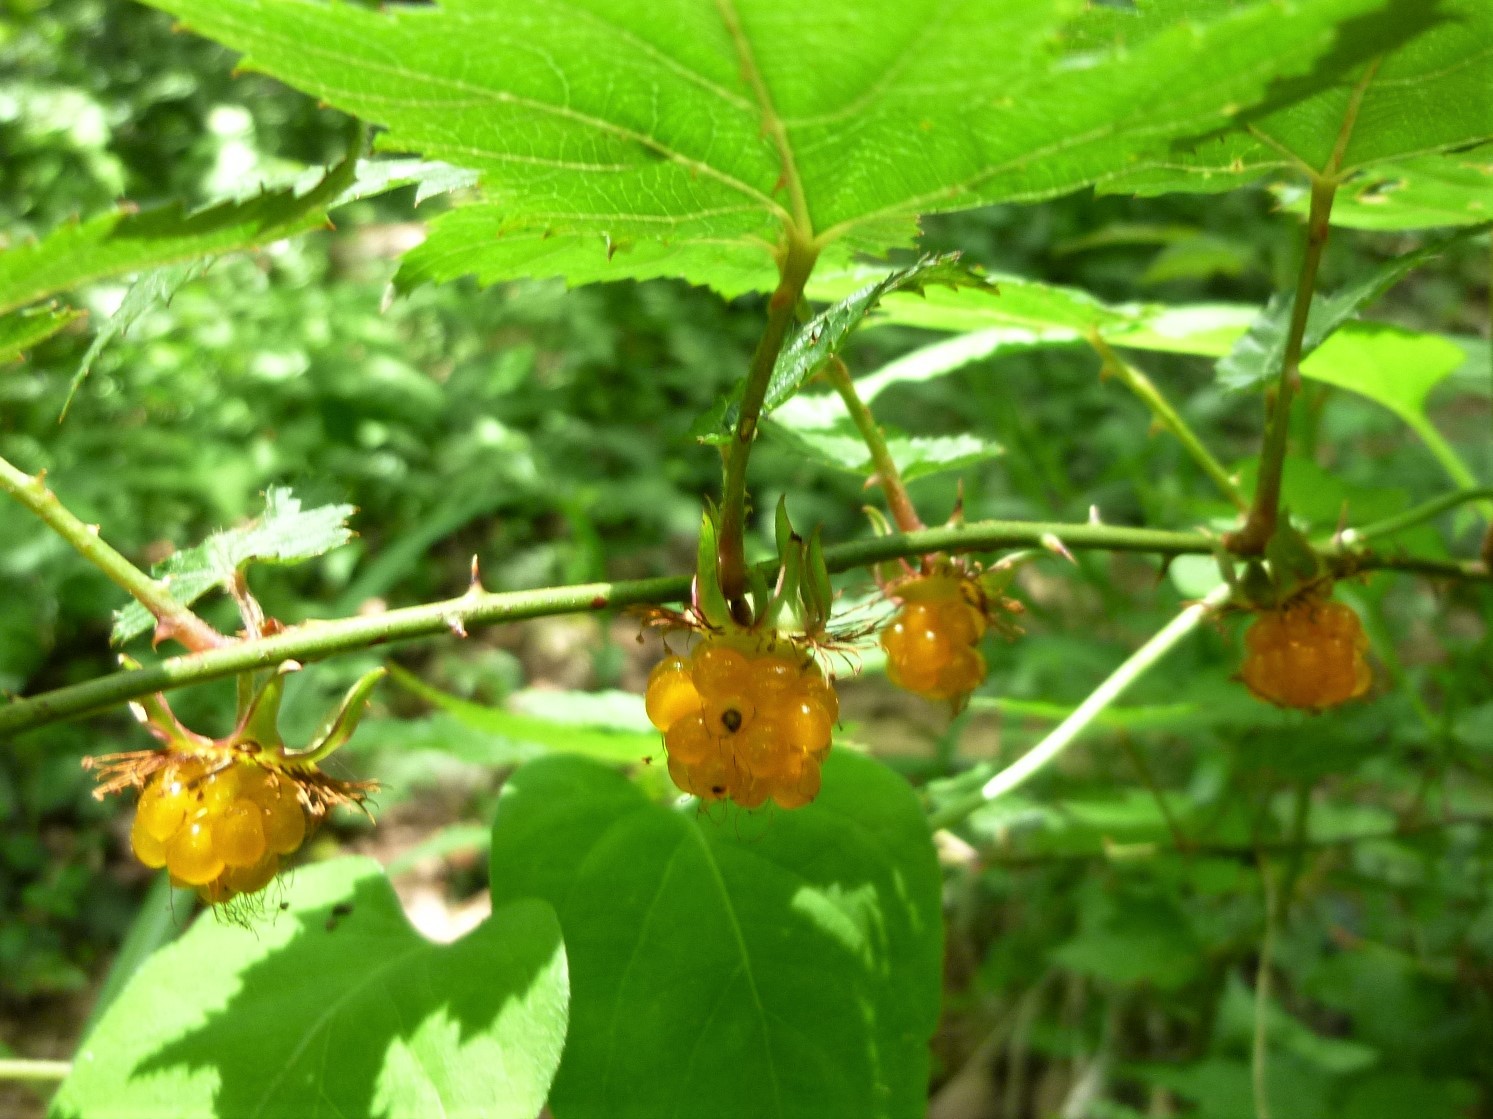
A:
[630,140]
[1257,357]
[1428,94]
[1131,938]
[769,964]
[127,241]
[283,533]
[333,1005]
[823,336]
[1421,193]
[21,330]
[149,290]
[916,456]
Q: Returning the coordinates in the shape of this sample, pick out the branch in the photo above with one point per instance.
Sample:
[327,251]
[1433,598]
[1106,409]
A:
[1061,736]
[317,640]
[1169,418]
[797,263]
[174,619]
[887,474]
[21,1068]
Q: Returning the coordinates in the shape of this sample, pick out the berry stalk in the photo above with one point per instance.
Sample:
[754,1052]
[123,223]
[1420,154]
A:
[1168,417]
[797,263]
[173,619]
[1061,736]
[890,478]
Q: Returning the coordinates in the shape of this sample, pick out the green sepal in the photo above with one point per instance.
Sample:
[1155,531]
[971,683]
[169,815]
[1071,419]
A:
[1257,587]
[709,599]
[783,529]
[816,593]
[343,721]
[260,722]
[790,579]
[1293,561]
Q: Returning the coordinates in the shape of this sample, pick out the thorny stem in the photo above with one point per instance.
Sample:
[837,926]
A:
[1168,417]
[796,265]
[1061,736]
[1259,524]
[1413,516]
[887,474]
[173,619]
[317,640]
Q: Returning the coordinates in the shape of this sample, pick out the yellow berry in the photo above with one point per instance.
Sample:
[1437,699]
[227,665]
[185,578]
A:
[799,787]
[147,847]
[764,750]
[688,742]
[717,668]
[727,713]
[809,726]
[671,693]
[284,819]
[238,834]
[191,855]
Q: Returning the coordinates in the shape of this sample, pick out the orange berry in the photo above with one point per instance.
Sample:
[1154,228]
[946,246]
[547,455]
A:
[671,693]
[238,834]
[191,855]
[284,819]
[727,713]
[718,668]
[809,726]
[688,741]
[798,787]
[764,750]
[147,846]
[1307,655]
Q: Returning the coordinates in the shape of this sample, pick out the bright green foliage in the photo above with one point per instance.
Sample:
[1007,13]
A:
[823,336]
[1256,358]
[333,1005]
[284,533]
[645,139]
[122,242]
[1422,88]
[771,964]
[917,456]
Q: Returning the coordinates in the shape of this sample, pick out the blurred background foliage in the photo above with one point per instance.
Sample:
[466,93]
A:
[1104,924]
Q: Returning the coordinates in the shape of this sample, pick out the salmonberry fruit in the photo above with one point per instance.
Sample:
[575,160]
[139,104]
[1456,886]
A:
[931,643]
[1308,654]
[219,825]
[744,725]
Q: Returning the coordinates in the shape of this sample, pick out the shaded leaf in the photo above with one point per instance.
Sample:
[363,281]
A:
[1257,357]
[635,140]
[822,337]
[333,1005]
[1428,94]
[151,289]
[21,330]
[767,965]
[283,533]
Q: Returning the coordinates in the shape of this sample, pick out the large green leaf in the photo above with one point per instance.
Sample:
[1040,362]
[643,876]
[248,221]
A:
[731,964]
[636,138]
[1428,92]
[333,1005]
[125,241]
[21,330]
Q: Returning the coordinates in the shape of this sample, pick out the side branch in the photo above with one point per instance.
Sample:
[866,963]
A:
[174,620]
[317,640]
[887,474]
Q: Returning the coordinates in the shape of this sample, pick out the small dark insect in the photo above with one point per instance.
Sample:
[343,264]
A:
[340,910]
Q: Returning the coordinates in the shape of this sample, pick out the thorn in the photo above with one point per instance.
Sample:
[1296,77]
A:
[453,623]
[286,667]
[475,586]
[138,712]
[1053,544]
[1094,518]
[93,530]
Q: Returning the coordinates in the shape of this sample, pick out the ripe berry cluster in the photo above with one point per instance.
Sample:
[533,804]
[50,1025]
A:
[744,725]
[931,643]
[221,827]
[1307,654]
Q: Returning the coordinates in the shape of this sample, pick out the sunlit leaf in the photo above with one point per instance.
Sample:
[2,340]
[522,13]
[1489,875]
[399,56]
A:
[333,1005]
[771,964]
[628,140]
[916,456]
[283,533]
[1421,193]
